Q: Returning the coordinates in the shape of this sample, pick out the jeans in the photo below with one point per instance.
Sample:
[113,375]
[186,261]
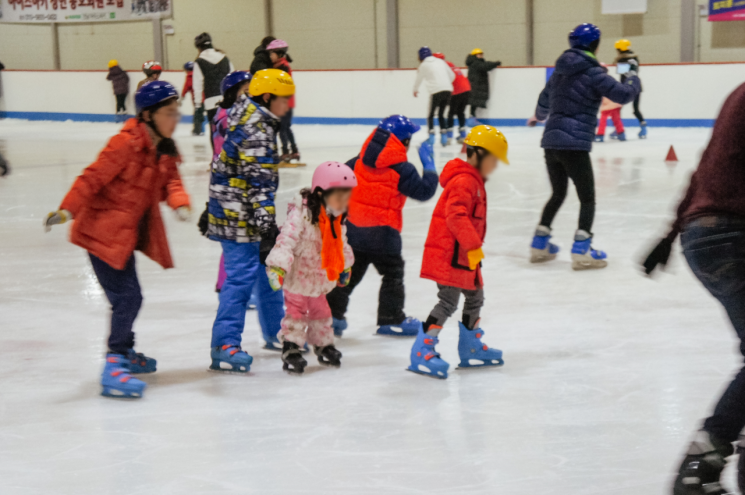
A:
[241,266]
[563,165]
[391,297]
[123,292]
[715,250]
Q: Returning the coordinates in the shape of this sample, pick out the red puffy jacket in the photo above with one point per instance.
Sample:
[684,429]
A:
[115,202]
[461,83]
[284,64]
[458,226]
[377,201]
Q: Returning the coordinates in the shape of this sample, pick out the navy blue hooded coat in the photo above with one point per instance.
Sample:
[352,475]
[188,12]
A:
[572,97]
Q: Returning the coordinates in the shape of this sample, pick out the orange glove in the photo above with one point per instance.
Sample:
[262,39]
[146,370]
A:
[474,258]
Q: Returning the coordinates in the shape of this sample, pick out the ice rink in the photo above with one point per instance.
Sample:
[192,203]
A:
[607,373]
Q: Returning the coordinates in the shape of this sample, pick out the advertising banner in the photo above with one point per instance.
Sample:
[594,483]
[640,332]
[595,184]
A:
[726,10]
[45,11]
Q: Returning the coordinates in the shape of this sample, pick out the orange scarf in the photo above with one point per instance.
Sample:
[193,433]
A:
[332,250]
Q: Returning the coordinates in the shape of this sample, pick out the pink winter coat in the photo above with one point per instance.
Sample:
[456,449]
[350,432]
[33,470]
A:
[298,253]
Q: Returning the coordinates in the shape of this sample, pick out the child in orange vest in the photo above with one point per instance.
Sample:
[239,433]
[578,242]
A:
[453,254]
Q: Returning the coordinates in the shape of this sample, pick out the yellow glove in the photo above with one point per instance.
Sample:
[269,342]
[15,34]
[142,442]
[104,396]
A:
[56,218]
[474,258]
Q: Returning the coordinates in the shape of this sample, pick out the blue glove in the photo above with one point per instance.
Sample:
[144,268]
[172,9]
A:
[427,155]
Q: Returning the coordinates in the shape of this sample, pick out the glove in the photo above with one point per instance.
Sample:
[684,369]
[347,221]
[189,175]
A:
[204,221]
[498,63]
[183,213]
[268,240]
[276,277]
[344,277]
[659,255]
[474,258]
[532,121]
[427,155]
[56,218]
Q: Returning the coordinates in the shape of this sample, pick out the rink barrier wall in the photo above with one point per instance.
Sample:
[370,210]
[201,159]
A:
[675,95]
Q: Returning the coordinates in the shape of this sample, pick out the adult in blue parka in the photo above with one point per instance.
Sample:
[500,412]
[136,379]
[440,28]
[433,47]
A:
[570,101]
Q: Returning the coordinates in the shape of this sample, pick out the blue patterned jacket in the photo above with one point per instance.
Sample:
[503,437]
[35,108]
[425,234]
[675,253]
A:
[244,175]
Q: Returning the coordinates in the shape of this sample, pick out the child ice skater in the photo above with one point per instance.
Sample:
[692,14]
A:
[438,78]
[612,110]
[375,220]
[627,56]
[241,212]
[198,128]
[458,100]
[570,101]
[116,207]
[281,60]
[152,71]
[453,254]
[120,82]
[312,257]
[270,305]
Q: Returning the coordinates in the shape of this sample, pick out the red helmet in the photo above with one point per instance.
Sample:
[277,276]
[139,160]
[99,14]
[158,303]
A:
[439,55]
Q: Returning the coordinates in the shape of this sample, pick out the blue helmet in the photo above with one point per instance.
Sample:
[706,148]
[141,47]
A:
[400,126]
[189,65]
[152,93]
[583,35]
[233,79]
[424,52]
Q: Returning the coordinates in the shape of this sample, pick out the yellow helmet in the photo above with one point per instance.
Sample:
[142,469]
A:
[477,51]
[623,45]
[273,81]
[113,63]
[491,139]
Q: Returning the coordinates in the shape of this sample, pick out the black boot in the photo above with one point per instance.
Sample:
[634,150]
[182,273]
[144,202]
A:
[293,361]
[741,467]
[328,356]
[702,467]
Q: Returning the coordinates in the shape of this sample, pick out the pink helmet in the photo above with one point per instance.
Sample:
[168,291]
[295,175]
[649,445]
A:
[329,175]
[276,45]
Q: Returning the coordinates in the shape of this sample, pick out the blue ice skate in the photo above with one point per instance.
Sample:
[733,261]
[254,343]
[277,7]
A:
[621,136]
[253,301]
[139,363]
[431,138]
[472,122]
[425,360]
[614,135]
[272,343]
[474,353]
[407,328]
[116,380]
[462,135]
[643,131]
[599,138]
[583,256]
[444,139]
[339,326]
[230,359]
[541,249]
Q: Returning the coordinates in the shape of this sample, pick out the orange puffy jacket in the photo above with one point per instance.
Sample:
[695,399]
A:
[115,202]
[377,201]
[458,226]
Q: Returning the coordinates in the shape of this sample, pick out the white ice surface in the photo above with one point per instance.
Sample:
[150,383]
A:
[607,373]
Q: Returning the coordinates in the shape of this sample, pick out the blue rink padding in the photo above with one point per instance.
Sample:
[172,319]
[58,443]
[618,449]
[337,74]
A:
[188,119]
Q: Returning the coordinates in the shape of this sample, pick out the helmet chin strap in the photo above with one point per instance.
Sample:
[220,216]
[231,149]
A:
[166,146]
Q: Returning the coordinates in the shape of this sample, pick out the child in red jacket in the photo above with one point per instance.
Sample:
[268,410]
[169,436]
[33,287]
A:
[453,254]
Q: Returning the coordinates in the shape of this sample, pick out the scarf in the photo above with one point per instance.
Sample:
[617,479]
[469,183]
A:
[332,250]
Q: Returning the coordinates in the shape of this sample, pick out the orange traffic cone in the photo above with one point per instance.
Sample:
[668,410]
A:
[671,156]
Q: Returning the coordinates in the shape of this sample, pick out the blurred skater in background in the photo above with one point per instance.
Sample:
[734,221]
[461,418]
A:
[281,60]
[210,68]
[152,70]
[198,127]
[120,82]
[612,110]
[262,60]
[438,78]
[478,76]
[626,56]
[458,101]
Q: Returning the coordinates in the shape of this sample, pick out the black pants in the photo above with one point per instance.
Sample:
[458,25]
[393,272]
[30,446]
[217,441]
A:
[458,104]
[438,103]
[391,298]
[123,292]
[576,165]
[121,103]
[211,119]
[286,135]
[638,113]
[715,249]
[198,128]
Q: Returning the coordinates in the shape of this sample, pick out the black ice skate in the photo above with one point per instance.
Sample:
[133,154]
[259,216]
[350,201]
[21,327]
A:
[702,467]
[294,363]
[328,356]
[741,467]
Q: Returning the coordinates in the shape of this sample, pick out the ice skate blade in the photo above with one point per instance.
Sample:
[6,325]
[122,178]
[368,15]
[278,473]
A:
[584,264]
[118,394]
[467,366]
[540,256]
[329,365]
[225,371]
[444,377]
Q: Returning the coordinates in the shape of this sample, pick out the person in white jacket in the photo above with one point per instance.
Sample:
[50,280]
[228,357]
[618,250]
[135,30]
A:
[210,68]
[438,77]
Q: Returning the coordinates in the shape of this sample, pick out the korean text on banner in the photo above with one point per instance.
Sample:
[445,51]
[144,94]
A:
[45,11]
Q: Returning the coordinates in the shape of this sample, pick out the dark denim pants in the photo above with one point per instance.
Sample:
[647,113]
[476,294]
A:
[715,249]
